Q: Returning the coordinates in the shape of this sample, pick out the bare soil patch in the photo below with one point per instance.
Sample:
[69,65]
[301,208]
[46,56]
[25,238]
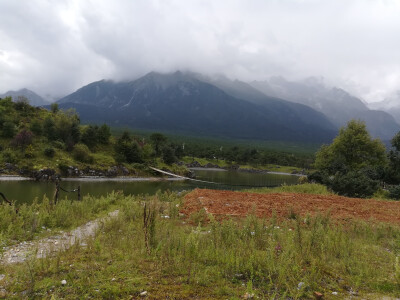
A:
[223,204]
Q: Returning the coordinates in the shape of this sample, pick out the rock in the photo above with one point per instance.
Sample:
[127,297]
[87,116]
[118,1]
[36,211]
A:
[112,171]
[63,282]
[3,293]
[210,165]
[194,164]
[318,295]
[334,293]
[124,170]
[2,276]
[143,294]
[248,296]
[10,167]
[300,285]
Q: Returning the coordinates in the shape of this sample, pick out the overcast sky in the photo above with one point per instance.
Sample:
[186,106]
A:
[55,47]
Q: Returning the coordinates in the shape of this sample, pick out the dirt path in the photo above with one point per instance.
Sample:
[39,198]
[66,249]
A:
[43,247]
[239,204]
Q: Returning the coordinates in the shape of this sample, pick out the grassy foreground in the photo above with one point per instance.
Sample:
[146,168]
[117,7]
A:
[169,257]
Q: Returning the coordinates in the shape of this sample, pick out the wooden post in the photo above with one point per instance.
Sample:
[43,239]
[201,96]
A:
[56,192]
[79,193]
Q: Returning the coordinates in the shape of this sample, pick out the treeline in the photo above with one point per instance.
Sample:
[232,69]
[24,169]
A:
[38,132]
[251,156]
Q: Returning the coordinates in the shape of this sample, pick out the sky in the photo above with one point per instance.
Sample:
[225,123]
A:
[54,47]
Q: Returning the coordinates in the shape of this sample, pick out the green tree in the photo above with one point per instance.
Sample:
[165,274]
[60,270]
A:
[352,150]
[104,134]
[168,155]
[54,108]
[158,140]
[392,175]
[90,136]
[9,129]
[127,150]
[36,127]
[352,165]
[49,128]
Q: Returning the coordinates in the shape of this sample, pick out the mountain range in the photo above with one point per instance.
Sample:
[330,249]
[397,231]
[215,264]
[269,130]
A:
[390,105]
[338,105]
[33,98]
[186,103]
[192,103]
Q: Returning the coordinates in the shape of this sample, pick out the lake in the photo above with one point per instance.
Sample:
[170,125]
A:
[24,191]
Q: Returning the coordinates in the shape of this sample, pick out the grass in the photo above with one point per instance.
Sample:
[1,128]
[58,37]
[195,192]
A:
[222,163]
[216,260]
[43,218]
[306,188]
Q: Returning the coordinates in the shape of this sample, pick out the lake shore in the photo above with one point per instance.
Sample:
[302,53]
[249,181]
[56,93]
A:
[93,178]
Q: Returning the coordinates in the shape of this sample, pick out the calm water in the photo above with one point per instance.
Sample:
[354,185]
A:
[26,191]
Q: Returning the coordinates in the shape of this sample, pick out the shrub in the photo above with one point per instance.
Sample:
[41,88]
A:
[36,127]
[394,192]
[9,156]
[353,184]
[58,144]
[9,129]
[29,152]
[63,168]
[82,153]
[49,152]
[22,139]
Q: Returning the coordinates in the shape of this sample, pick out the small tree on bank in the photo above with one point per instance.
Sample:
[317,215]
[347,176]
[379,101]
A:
[351,164]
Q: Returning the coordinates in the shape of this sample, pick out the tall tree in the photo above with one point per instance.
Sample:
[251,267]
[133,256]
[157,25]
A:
[353,149]
[352,164]
[158,140]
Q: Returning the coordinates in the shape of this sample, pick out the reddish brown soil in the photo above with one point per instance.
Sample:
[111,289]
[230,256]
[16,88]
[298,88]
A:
[239,204]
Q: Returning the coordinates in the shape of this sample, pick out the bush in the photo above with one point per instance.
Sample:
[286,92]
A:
[9,129]
[58,144]
[63,169]
[49,152]
[9,156]
[394,192]
[82,153]
[23,139]
[353,184]
[29,152]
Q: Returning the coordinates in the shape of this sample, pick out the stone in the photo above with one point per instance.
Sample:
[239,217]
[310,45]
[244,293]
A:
[2,276]
[143,294]
[318,295]
[63,282]
[248,296]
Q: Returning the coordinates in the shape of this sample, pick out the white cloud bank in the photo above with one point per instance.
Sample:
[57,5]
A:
[55,47]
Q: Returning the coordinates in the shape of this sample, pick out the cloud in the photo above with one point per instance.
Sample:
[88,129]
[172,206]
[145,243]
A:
[55,47]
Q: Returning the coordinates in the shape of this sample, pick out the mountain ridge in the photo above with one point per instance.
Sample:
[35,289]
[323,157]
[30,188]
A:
[335,103]
[33,98]
[180,101]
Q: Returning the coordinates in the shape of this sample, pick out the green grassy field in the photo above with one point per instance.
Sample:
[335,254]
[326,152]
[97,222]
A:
[217,260]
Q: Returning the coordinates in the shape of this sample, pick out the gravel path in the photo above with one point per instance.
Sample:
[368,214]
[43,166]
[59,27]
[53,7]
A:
[43,247]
